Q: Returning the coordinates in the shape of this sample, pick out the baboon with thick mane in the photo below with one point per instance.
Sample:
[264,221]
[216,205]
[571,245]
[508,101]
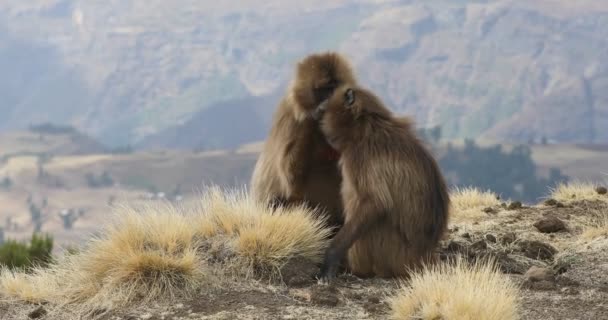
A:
[395,198]
[297,165]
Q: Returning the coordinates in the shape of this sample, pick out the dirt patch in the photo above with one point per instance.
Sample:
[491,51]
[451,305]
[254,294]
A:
[299,272]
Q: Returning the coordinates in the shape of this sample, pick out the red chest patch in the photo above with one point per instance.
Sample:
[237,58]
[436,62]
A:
[329,154]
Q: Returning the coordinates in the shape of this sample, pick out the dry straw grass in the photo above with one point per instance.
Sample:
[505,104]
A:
[259,239]
[468,203]
[577,191]
[594,235]
[163,251]
[599,228]
[457,290]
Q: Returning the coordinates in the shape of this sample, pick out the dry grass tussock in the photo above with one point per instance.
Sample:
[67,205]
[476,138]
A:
[457,290]
[468,203]
[598,230]
[577,191]
[163,251]
[594,235]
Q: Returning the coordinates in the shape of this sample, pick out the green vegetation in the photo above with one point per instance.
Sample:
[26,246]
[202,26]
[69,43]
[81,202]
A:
[50,128]
[102,181]
[15,254]
[511,174]
[6,183]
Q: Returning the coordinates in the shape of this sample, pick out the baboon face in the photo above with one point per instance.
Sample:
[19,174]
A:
[347,111]
[317,76]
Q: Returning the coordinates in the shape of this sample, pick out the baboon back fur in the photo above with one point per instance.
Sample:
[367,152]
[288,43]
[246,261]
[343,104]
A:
[395,198]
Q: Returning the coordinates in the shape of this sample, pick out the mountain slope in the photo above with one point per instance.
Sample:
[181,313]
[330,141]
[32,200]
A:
[134,71]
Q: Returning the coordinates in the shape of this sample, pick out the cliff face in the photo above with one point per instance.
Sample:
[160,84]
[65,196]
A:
[137,71]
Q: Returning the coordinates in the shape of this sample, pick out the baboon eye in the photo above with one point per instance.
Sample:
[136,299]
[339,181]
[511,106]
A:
[349,96]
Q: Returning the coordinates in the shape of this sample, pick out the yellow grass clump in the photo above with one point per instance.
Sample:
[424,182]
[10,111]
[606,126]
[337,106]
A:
[261,239]
[457,290]
[598,228]
[468,203]
[577,191]
[139,256]
[162,251]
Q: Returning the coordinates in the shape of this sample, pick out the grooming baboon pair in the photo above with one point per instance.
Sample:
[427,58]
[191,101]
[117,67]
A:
[335,146]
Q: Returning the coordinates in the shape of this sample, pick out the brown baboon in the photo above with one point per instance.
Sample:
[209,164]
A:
[297,165]
[394,195]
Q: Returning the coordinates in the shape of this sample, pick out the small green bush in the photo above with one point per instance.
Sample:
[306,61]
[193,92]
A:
[19,255]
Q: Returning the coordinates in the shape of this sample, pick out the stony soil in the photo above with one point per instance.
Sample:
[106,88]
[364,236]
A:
[540,248]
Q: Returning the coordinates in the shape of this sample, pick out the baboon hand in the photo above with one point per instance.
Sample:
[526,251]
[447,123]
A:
[328,271]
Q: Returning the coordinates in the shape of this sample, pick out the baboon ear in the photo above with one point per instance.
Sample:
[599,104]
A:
[349,97]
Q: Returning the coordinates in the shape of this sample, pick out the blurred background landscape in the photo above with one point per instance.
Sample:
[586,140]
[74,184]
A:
[108,101]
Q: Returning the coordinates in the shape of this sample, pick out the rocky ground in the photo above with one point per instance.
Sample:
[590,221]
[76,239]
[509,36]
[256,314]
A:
[561,268]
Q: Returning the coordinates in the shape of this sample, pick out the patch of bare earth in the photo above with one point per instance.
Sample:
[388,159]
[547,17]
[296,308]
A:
[561,274]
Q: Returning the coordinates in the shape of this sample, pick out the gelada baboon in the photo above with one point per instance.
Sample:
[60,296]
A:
[395,198]
[296,164]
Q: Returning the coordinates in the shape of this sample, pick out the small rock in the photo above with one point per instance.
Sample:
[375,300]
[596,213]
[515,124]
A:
[374,300]
[514,205]
[466,235]
[550,225]
[508,238]
[537,250]
[480,245]
[491,238]
[299,272]
[37,313]
[536,274]
[509,265]
[455,246]
[550,202]
[490,210]
[324,296]
[601,190]
[569,291]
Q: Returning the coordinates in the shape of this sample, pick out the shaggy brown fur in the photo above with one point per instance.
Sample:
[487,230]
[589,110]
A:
[395,198]
[297,165]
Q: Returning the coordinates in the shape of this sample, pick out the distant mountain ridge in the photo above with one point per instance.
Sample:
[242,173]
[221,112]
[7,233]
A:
[160,73]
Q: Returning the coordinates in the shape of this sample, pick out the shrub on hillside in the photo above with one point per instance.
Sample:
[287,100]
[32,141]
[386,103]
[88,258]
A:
[102,181]
[511,174]
[51,128]
[19,255]
[6,183]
